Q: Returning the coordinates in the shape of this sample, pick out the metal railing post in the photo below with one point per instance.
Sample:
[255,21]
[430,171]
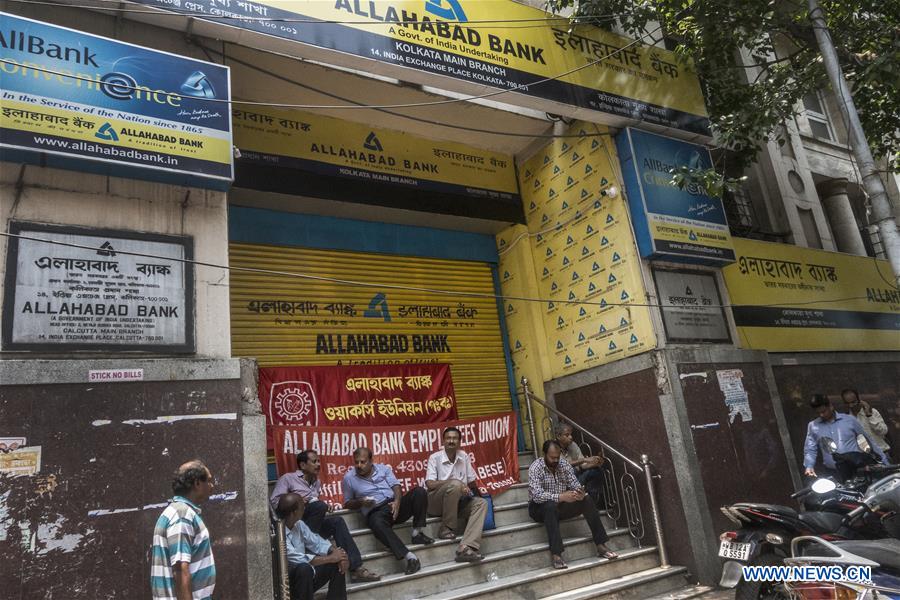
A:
[530,414]
[280,531]
[654,509]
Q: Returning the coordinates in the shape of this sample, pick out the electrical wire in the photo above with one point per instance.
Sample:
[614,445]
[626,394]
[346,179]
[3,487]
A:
[389,286]
[232,59]
[165,11]
[516,88]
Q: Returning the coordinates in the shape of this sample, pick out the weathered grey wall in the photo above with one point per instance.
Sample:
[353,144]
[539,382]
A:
[82,526]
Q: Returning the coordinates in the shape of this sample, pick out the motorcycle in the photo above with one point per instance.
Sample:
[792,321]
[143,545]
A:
[766,530]
[881,556]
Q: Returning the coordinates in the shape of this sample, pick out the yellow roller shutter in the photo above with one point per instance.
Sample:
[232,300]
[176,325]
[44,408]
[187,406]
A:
[282,320]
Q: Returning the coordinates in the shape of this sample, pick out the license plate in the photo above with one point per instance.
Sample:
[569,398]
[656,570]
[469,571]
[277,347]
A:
[734,550]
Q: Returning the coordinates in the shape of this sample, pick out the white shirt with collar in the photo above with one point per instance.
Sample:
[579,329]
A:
[441,469]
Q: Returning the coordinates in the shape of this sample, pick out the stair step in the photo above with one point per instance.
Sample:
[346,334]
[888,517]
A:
[515,496]
[533,536]
[530,566]
[686,592]
[511,518]
[542,580]
[633,585]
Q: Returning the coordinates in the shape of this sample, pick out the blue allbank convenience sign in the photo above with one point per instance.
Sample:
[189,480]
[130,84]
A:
[85,102]
[685,225]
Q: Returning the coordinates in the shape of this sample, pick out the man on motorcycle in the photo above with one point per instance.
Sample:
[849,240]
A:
[842,428]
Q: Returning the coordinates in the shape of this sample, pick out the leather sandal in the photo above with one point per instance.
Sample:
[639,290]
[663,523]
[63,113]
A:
[363,575]
[468,555]
[604,552]
[558,563]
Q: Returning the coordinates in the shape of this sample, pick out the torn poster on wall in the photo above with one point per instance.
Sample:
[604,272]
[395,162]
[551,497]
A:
[736,399]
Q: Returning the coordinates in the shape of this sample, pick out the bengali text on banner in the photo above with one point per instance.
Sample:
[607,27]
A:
[357,396]
[491,440]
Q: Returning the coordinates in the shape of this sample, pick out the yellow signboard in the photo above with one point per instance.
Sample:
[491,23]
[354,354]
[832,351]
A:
[340,148]
[786,298]
[584,256]
[497,43]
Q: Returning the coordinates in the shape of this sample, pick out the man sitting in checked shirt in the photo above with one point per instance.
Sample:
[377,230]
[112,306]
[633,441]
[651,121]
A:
[305,483]
[312,560]
[555,494]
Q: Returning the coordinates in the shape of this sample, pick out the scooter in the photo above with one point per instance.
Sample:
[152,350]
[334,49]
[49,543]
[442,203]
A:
[881,556]
[766,530]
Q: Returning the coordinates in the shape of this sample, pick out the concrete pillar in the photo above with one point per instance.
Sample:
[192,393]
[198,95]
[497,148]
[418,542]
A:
[847,237]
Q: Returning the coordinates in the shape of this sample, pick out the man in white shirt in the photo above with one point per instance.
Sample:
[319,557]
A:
[871,420]
[453,495]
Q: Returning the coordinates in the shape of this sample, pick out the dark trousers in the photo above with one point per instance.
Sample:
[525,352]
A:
[414,503]
[305,580]
[332,527]
[551,513]
[592,480]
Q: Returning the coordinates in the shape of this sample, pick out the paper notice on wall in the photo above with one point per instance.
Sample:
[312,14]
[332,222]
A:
[732,385]
[22,461]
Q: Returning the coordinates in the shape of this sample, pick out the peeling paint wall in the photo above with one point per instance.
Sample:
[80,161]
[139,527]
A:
[82,526]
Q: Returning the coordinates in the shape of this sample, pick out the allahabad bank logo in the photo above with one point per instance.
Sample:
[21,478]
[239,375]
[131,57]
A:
[293,403]
[450,10]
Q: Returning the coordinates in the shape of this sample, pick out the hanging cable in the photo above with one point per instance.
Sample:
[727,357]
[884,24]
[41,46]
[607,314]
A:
[381,285]
[517,87]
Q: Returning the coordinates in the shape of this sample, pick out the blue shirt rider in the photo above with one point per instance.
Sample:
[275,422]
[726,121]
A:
[842,428]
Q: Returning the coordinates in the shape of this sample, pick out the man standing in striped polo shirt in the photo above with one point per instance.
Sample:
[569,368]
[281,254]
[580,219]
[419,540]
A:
[181,561]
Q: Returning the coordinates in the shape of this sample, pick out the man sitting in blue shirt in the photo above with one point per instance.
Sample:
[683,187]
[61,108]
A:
[312,561]
[374,490]
[841,428]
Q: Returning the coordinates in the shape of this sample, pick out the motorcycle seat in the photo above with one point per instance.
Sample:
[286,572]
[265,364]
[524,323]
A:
[885,552]
[775,508]
[823,522]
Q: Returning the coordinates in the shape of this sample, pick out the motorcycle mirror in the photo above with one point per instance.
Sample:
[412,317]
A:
[828,445]
[863,444]
[823,486]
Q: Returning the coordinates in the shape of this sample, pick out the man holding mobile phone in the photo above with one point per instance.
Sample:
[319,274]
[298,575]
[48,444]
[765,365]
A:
[555,494]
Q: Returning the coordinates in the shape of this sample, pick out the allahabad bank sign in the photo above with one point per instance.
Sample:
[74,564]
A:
[685,225]
[496,43]
[786,298]
[84,102]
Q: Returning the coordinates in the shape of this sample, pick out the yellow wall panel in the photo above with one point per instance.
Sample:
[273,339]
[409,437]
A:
[584,256]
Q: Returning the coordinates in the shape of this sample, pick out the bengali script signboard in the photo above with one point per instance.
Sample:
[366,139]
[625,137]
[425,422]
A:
[490,439]
[787,299]
[85,102]
[105,290]
[507,45]
[357,396]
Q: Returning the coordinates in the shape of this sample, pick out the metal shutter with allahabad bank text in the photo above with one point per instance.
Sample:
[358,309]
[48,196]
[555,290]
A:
[324,320]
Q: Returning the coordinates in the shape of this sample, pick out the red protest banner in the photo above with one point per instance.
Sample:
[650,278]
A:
[491,440]
[357,395]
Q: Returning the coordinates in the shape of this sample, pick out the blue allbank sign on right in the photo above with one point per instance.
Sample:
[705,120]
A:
[684,225]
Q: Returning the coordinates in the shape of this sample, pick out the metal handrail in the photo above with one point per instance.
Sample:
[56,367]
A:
[529,395]
[279,532]
[633,516]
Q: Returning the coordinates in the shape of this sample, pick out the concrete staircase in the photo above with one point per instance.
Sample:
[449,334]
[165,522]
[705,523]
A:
[517,562]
